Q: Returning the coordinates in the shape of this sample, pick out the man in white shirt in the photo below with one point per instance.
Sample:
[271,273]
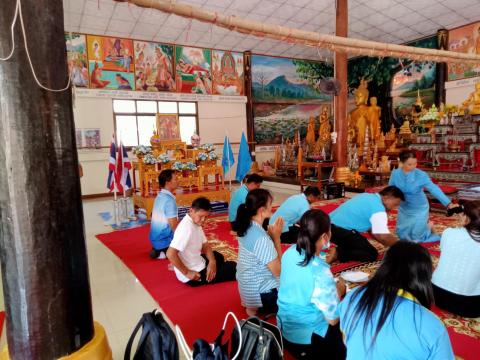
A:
[362,213]
[192,257]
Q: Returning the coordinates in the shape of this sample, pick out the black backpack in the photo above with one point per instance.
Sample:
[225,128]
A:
[157,342]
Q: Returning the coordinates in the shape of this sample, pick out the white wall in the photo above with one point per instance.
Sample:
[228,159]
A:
[215,118]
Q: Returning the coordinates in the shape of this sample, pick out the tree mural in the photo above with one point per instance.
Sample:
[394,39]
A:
[379,72]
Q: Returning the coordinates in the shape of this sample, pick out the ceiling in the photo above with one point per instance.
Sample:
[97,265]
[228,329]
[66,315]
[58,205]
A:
[392,21]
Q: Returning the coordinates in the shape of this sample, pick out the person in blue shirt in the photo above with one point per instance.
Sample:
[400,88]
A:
[413,213]
[389,317]
[364,212]
[252,182]
[456,280]
[292,210]
[308,296]
[164,215]
[259,254]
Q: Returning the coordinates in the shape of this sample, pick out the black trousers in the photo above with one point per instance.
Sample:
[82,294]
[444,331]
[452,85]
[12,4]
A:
[466,306]
[269,302]
[330,347]
[290,236]
[351,245]
[226,271]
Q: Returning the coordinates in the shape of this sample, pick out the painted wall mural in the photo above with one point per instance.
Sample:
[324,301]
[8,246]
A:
[281,80]
[274,121]
[227,71]
[193,70]
[77,58]
[154,70]
[465,39]
[110,63]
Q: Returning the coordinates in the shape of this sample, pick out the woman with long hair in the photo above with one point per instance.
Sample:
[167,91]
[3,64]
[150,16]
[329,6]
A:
[388,318]
[259,253]
[456,280]
[308,296]
[413,213]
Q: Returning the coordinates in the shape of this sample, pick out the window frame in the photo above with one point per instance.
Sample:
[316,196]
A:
[136,114]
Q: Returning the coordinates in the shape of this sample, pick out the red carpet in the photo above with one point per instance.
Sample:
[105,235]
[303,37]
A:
[2,319]
[200,311]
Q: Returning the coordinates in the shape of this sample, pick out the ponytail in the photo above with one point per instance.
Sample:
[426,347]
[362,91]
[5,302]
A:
[255,200]
[313,224]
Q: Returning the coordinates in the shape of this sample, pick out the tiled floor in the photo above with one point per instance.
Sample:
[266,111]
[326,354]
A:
[118,298]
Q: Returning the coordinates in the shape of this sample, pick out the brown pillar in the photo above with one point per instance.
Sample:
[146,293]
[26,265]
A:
[341,29]
[247,59]
[42,245]
[442,70]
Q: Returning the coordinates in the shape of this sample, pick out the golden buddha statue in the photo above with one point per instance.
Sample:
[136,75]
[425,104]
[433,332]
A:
[374,113]
[473,101]
[324,130]
[310,139]
[392,134]
[155,140]
[358,118]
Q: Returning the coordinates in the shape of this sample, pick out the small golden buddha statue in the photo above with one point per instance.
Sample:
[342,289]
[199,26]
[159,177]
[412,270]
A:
[374,113]
[405,128]
[155,140]
[324,130]
[310,139]
[473,101]
[392,134]
[358,119]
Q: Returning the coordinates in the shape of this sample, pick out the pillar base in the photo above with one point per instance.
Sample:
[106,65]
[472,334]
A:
[96,349]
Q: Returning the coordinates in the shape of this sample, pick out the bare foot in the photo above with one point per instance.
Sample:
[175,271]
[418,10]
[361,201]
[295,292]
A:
[332,255]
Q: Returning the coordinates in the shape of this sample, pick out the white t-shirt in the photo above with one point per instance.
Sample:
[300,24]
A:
[188,240]
[379,223]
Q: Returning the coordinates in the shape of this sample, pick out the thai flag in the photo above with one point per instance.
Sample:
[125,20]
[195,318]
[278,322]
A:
[111,166]
[123,169]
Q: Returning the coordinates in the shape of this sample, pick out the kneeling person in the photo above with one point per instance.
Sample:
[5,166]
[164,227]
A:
[292,210]
[192,257]
[364,212]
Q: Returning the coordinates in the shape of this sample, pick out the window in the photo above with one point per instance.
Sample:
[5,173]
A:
[135,120]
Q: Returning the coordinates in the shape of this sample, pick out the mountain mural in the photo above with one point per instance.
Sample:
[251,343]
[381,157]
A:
[280,89]
[278,80]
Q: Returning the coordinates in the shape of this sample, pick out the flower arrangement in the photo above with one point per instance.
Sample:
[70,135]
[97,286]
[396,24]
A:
[207,147]
[163,158]
[212,156]
[431,115]
[177,165]
[202,156]
[149,159]
[190,166]
[141,150]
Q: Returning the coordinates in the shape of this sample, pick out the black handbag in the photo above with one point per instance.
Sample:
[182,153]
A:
[157,342]
[260,340]
[203,351]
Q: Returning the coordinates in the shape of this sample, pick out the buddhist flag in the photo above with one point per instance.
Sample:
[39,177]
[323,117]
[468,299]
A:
[227,157]
[244,163]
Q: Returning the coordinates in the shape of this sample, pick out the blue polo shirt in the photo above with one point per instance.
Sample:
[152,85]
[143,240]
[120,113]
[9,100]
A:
[164,208]
[355,213]
[307,297]
[291,210]
[239,196]
[410,331]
